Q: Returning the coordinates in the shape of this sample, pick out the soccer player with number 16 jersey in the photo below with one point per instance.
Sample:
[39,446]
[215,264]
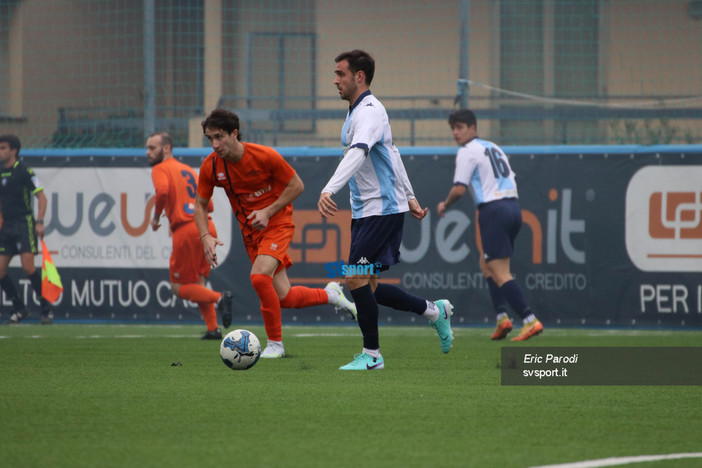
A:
[482,166]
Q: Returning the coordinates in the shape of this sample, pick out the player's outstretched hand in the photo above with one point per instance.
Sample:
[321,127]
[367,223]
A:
[326,205]
[209,245]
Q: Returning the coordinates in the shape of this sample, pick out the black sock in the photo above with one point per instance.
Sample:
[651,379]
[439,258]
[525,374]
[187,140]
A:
[35,279]
[8,286]
[399,299]
[498,300]
[514,296]
[367,309]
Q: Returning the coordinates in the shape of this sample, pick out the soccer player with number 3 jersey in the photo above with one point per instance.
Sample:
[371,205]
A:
[483,167]
[176,187]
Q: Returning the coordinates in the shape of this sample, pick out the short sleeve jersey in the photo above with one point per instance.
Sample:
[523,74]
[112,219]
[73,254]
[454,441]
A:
[180,183]
[380,186]
[483,167]
[253,183]
[18,184]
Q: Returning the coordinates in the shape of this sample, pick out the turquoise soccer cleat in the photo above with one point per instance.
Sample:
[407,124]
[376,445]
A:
[442,325]
[364,361]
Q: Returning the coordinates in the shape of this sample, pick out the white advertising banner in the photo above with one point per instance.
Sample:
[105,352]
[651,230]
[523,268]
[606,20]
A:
[100,218]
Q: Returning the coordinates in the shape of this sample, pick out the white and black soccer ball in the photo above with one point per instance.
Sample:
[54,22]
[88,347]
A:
[240,349]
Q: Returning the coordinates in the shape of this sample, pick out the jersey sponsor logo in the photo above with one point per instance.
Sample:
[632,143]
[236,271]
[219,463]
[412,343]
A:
[664,218]
[260,192]
[221,176]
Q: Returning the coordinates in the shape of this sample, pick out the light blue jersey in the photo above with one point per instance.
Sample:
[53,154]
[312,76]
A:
[483,167]
[372,164]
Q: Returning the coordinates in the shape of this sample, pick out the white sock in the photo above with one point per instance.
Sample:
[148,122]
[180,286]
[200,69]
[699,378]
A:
[502,315]
[528,319]
[372,352]
[275,344]
[432,312]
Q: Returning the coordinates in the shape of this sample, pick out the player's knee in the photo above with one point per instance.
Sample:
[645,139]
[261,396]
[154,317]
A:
[355,282]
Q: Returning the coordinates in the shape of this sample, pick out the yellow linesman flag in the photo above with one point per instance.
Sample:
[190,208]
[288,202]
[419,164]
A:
[51,287]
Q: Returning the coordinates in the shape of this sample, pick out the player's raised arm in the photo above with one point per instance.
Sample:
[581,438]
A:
[209,243]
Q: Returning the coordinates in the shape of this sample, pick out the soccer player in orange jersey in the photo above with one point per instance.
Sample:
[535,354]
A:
[261,187]
[176,187]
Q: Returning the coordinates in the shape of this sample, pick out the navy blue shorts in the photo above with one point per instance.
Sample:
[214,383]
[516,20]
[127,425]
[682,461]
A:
[500,221]
[376,240]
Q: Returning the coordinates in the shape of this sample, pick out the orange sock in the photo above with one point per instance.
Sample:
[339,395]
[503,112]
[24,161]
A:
[300,296]
[270,305]
[209,315]
[197,293]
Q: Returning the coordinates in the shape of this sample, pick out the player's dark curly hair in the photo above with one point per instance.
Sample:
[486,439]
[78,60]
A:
[13,141]
[222,119]
[463,115]
[359,60]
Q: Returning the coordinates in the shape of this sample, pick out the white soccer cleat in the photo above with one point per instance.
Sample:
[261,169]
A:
[339,301]
[274,350]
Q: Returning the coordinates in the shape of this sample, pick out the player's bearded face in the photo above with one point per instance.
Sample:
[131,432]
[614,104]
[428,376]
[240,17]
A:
[155,156]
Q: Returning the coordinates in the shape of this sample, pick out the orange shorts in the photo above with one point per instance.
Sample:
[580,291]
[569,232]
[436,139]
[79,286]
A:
[273,241]
[188,258]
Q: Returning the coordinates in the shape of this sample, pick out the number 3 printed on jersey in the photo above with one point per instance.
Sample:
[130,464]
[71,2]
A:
[189,207]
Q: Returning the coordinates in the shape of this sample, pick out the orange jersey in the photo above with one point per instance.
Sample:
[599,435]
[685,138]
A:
[176,186]
[252,183]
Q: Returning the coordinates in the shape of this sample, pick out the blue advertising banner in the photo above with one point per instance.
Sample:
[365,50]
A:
[612,236]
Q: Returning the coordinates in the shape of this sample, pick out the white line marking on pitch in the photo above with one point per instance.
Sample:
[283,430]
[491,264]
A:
[616,461]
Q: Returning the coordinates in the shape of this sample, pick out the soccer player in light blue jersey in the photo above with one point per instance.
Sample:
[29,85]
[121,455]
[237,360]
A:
[483,167]
[381,194]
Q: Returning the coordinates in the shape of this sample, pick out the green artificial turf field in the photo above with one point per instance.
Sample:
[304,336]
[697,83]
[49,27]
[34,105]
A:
[107,395]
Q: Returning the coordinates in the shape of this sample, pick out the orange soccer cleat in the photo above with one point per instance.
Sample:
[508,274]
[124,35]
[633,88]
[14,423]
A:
[529,330]
[504,326]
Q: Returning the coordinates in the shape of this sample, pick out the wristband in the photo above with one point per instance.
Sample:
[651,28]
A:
[39,221]
[205,234]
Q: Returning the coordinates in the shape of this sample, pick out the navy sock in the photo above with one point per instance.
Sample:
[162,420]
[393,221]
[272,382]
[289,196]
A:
[8,286]
[498,301]
[515,298]
[35,279]
[392,296]
[367,309]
